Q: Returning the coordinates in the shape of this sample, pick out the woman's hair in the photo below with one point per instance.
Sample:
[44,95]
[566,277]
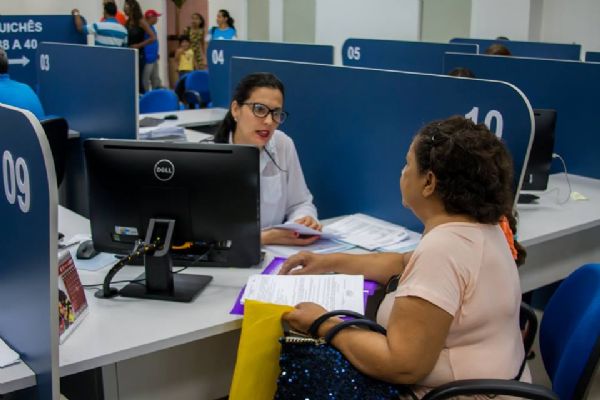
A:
[498,49]
[201,18]
[462,72]
[473,170]
[228,17]
[135,13]
[242,92]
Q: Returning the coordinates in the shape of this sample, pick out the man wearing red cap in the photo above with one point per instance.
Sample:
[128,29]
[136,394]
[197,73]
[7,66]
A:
[150,77]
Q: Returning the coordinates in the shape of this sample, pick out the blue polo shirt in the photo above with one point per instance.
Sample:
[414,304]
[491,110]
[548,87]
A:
[20,95]
[151,49]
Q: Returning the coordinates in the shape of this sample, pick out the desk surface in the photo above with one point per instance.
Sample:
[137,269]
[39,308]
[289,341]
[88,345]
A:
[122,328]
[548,219]
[15,377]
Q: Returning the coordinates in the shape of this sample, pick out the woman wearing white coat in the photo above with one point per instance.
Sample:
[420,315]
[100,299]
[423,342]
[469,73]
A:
[254,115]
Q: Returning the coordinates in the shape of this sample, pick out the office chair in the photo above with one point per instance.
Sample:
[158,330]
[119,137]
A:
[193,99]
[57,133]
[198,81]
[159,100]
[569,345]
[529,325]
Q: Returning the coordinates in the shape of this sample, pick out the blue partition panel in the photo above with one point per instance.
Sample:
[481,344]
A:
[28,270]
[219,55]
[558,51]
[400,55]
[592,56]
[96,89]
[571,88]
[353,126]
[20,35]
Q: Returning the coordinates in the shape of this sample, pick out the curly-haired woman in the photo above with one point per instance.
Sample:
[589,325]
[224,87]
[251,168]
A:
[452,305]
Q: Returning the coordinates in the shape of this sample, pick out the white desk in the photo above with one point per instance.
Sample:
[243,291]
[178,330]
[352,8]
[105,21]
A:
[15,377]
[122,329]
[559,237]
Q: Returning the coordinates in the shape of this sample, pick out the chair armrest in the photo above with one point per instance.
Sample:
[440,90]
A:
[469,387]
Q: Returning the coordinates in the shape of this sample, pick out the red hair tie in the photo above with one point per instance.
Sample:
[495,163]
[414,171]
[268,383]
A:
[508,233]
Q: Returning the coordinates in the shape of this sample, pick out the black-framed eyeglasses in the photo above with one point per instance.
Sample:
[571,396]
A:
[392,284]
[261,111]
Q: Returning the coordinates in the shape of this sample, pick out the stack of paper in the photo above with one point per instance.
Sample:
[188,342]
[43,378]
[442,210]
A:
[367,232]
[162,133]
[333,292]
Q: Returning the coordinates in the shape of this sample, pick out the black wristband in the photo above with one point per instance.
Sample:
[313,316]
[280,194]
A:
[372,325]
[313,330]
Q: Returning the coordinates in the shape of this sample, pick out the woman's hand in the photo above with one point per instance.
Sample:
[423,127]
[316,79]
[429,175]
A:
[310,222]
[303,316]
[286,237]
[306,263]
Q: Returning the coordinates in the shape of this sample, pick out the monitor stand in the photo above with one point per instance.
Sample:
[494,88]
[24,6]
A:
[160,282]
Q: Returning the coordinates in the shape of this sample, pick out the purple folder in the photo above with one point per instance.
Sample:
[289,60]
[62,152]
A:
[238,308]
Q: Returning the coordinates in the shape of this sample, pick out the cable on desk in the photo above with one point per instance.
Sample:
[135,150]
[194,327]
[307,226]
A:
[127,260]
[140,249]
[557,190]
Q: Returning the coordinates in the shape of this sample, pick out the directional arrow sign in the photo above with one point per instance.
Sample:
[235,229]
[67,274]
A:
[20,36]
[23,61]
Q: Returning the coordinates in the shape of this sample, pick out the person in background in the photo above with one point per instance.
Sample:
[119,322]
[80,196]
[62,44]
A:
[119,16]
[254,115]
[196,33]
[108,32]
[462,72]
[452,306]
[139,35]
[225,30]
[150,76]
[498,49]
[15,93]
[184,56]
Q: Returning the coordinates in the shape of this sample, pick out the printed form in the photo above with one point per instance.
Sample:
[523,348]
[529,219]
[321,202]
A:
[332,291]
[367,232]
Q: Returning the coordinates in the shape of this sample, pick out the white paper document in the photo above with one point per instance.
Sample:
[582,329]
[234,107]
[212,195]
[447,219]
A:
[7,355]
[367,232]
[333,292]
[305,230]
[321,246]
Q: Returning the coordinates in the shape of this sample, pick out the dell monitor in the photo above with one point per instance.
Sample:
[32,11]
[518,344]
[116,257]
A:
[537,170]
[198,199]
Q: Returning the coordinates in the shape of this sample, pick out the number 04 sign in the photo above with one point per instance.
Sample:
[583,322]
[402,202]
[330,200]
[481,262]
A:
[15,175]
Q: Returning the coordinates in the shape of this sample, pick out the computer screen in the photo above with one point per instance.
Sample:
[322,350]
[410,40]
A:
[210,191]
[540,155]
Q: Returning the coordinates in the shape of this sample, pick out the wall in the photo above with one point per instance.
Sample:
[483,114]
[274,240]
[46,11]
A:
[443,20]
[258,15]
[337,20]
[276,20]
[238,9]
[572,21]
[299,21]
[493,18]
